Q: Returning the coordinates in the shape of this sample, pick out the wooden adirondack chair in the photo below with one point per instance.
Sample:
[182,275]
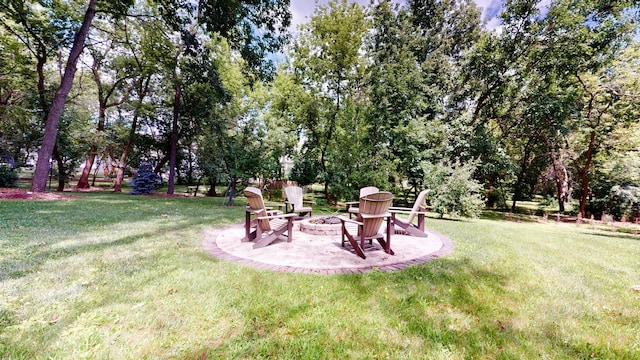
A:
[351,206]
[373,212]
[419,210]
[295,199]
[263,225]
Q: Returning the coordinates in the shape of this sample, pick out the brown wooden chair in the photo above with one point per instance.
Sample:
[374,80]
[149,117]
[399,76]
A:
[418,211]
[264,225]
[296,201]
[351,206]
[373,211]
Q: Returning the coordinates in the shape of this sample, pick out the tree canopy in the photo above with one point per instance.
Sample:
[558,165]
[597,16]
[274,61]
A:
[401,97]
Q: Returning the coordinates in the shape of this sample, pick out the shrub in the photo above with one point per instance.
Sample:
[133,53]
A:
[624,201]
[304,171]
[145,180]
[8,177]
[454,192]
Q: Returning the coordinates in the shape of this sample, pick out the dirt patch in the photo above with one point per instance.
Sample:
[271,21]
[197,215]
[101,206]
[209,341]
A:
[24,194]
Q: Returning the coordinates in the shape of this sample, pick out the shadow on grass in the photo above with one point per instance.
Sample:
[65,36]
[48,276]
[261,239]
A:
[125,270]
[610,235]
[445,302]
[33,238]
[17,267]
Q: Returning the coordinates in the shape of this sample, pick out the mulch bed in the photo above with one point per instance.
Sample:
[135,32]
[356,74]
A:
[24,194]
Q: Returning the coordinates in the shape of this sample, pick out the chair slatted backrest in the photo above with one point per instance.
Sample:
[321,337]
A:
[368,191]
[294,196]
[419,205]
[374,204]
[255,202]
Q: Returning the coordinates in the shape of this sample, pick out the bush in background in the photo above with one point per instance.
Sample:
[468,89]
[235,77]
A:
[8,177]
[454,192]
[145,180]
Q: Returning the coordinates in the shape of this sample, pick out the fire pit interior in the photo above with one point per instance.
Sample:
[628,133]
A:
[325,225]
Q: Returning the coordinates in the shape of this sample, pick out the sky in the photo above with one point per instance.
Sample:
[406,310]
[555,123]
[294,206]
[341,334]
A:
[301,10]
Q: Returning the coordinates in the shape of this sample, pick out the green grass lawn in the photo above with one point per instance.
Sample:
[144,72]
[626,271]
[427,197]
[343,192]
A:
[111,276]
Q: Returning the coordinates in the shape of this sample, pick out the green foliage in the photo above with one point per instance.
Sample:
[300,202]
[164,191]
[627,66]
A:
[329,64]
[454,192]
[8,176]
[304,171]
[624,202]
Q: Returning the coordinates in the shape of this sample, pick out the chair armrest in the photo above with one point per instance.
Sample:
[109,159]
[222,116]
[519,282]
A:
[270,206]
[345,220]
[399,208]
[376,216]
[308,202]
[257,212]
[352,202]
[396,210]
[279,216]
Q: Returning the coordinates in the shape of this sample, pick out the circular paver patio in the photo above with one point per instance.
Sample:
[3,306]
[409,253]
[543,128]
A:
[323,254]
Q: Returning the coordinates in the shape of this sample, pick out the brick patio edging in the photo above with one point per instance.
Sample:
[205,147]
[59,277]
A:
[209,244]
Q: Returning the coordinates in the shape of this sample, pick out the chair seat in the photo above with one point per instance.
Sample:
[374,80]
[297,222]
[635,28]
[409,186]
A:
[263,225]
[278,223]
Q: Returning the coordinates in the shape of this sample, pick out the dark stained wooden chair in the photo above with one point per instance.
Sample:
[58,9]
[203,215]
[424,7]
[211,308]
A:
[263,225]
[373,211]
[352,206]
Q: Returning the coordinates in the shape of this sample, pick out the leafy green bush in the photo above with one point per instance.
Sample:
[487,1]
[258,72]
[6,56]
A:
[454,192]
[304,171]
[8,177]
[496,199]
[624,201]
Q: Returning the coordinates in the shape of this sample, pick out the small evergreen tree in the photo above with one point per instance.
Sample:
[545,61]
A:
[145,180]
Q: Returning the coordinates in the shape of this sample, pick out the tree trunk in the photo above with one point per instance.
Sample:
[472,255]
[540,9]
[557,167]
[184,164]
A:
[103,105]
[232,191]
[174,137]
[559,178]
[517,190]
[39,183]
[83,182]
[61,171]
[584,173]
[161,164]
[117,185]
[212,188]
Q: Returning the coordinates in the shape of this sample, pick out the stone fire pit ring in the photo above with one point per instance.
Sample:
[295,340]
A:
[323,225]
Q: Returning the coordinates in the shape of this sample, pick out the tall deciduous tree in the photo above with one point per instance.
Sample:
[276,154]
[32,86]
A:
[28,20]
[584,38]
[329,62]
[18,120]
[399,95]
[109,73]
[253,27]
